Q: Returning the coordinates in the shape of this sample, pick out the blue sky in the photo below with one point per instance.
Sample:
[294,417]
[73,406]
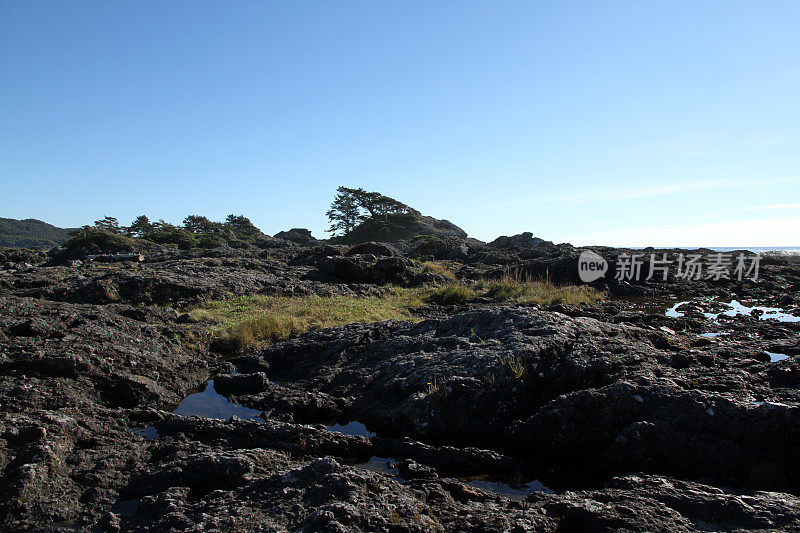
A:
[623,123]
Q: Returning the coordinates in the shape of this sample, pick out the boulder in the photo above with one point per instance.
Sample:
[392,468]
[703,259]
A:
[378,249]
[522,241]
[298,235]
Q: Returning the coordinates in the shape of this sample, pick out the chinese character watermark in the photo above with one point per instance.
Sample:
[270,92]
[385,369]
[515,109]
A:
[695,266]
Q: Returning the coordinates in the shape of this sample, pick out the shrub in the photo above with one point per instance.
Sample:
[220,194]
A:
[208,240]
[88,240]
[169,234]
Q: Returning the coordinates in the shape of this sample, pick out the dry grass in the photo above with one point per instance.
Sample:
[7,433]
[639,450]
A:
[245,323]
[249,322]
[438,268]
[514,289]
[454,293]
[543,292]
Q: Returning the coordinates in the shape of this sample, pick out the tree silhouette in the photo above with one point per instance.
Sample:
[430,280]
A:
[241,225]
[139,227]
[350,207]
[108,224]
[198,224]
[345,212]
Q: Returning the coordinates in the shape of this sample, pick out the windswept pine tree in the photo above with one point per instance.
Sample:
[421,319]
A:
[351,207]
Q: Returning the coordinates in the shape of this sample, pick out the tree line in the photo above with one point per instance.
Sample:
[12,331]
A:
[196,230]
[350,208]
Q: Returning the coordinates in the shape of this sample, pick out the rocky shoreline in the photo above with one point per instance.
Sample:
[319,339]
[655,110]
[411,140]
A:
[480,416]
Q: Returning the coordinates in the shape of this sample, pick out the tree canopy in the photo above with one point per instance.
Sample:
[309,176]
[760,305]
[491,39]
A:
[196,231]
[351,207]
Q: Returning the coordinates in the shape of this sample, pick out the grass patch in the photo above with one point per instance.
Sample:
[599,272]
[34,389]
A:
[455,293]
[245,323]
[514,289]
[438,268]
[248,322]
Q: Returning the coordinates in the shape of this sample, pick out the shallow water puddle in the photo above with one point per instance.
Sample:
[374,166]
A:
[673,312]
[149,433]
[387,465]
[382,465]
[208,403]
[775,357]
[736,309]
[769,313]
[516,492]
[354,428]
[126,508]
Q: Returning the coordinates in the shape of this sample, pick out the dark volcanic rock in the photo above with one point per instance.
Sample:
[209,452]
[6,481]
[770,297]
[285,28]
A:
[182,277]
[377,249]
[575,391]
[298,235]
[378,271]
[523,241]
[433,247]
[401,227]
[633,420]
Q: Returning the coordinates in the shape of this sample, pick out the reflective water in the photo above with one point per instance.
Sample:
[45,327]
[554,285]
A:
[149,433]
[388,465]
[775,357]
[126,508]
[516,492]
[382,465]
[673,312]
[737,309]
[354,428]
[769,313]
[208,403]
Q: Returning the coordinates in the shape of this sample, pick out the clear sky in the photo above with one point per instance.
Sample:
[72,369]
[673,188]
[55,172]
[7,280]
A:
[623,123]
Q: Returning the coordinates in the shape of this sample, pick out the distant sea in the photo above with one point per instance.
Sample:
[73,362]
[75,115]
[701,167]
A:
[754,249]
[762,249]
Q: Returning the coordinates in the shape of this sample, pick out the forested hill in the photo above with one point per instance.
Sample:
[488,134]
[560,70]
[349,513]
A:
[30,233]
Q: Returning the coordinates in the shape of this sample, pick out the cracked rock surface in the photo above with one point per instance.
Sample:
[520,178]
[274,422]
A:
[615,418]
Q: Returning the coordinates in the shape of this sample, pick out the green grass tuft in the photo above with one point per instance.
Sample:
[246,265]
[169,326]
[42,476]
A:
[438,268]
[513,365]
[455,293]
[513,289]
[246,323]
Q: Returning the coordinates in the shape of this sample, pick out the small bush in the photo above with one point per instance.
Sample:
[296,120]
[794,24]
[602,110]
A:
[98,241]
[180,237]
[432,388]
[209,240]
